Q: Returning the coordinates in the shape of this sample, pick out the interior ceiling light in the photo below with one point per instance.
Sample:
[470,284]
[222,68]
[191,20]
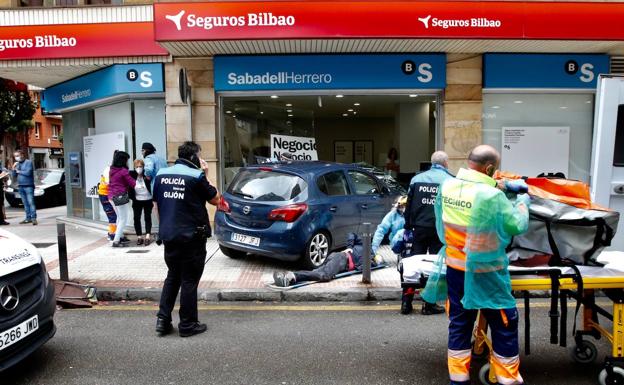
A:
[288,104]
[261,112]
[274,96]
[288,110]
[340,96]
[228,112]
[354,112]
[413,96]
[350,110]
[588,102]
[434,101]
[563,107]
[290,115]
[518,101]
[496,107]
[345,114]
[356,104]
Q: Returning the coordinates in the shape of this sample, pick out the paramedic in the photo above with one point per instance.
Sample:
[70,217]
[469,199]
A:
[337,262]
[391,224]
[180,193]
[475,221]
[420,220]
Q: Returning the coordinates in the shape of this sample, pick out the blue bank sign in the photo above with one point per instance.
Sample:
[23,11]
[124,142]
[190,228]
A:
[327,72]
[113,81]
[543,71]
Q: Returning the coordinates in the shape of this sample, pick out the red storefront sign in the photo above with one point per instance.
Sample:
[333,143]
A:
[393,19]
[78,40]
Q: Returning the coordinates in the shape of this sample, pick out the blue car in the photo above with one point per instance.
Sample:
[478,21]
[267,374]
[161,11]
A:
[298,210]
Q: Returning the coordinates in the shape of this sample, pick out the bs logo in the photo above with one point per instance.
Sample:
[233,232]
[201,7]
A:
[145,76]
[424,70]
[587,70]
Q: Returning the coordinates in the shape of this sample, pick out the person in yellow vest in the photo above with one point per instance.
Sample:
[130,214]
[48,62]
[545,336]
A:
[106,205]
[475,221]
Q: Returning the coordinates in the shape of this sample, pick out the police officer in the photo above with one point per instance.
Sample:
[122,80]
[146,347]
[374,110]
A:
[180,193]
[420,220]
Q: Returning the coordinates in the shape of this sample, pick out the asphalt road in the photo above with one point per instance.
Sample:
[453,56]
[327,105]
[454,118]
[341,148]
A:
[259,344]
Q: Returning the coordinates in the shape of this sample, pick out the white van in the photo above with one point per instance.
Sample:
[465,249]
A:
[27,301]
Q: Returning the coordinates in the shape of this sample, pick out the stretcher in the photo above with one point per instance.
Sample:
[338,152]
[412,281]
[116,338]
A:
[578,283]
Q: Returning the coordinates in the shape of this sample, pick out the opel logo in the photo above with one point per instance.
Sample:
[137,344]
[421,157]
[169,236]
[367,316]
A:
[246,210]
[9,297]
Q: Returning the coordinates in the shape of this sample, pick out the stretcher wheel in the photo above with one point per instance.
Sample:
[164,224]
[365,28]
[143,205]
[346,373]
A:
[584,353]
[617,378]
[484,375]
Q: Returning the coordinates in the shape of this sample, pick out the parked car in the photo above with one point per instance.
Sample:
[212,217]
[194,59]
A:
[49,189]
[27,301]
[298,210]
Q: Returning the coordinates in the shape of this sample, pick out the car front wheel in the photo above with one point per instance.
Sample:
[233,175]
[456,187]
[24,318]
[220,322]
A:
[316,251]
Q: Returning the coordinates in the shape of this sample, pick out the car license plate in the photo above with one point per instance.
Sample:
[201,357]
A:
[19,332]
[246,239]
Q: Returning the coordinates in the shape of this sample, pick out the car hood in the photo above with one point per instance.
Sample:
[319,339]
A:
[16,254]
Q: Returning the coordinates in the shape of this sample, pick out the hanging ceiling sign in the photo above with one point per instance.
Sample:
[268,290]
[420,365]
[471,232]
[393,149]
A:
[78,40]
[392,19]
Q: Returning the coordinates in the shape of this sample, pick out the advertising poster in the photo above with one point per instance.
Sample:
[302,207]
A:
[298,147]
[98,153]
[530,151]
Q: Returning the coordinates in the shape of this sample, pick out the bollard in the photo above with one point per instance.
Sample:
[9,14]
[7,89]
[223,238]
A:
[62,248]
[366,258]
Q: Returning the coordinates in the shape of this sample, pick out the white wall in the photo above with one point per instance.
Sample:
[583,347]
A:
[413,135]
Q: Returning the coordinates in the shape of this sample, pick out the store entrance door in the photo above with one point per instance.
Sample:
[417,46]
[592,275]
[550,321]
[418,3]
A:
[393,133]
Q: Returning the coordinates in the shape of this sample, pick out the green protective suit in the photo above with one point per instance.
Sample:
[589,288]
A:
[490,219]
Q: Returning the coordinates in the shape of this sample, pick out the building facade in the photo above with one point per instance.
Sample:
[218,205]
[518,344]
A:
[356,79]
[45,138]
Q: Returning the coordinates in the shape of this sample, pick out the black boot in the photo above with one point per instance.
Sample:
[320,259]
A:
[432,308]
[406,301]
[163,327]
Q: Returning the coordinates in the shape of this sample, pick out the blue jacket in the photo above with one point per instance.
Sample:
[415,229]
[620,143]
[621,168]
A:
[153,163]
[181,192]
[392,222]
[26,174]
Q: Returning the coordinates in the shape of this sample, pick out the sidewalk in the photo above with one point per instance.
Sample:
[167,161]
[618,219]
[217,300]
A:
[137,272]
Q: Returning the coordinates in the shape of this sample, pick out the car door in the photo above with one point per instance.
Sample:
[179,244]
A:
[338,210]
[368,194]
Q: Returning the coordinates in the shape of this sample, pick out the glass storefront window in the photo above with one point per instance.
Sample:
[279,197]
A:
[345,128]
[544,110]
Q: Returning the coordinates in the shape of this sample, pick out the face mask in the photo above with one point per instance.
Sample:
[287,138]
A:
[139,170]
[18,158]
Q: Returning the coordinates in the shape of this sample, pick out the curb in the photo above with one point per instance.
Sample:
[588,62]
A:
[262,295]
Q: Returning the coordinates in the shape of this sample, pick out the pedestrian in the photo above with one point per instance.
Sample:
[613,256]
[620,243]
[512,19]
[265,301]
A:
[476,223]
[180,193]
[153,162]
[120,184]
[24,171]
[350,259]
[420,221]
[392,162]
[107,206]
[391,224]
[4,177]
[142,203]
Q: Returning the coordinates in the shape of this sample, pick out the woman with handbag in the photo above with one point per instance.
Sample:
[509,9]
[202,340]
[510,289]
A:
[119,185]
[142,203]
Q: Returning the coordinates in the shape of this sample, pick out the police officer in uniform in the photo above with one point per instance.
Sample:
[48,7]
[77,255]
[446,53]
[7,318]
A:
[180,193]
[420,220]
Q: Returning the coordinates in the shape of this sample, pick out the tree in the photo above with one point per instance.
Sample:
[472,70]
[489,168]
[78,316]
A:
[16,110]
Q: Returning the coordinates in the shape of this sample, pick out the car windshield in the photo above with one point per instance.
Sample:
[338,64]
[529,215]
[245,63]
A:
[47,177]
[270,186]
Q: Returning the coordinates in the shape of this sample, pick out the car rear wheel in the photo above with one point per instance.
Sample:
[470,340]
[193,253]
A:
[232,253]
[317,250]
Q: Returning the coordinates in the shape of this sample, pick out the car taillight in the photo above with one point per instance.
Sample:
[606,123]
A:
[223,205]
[288,213]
